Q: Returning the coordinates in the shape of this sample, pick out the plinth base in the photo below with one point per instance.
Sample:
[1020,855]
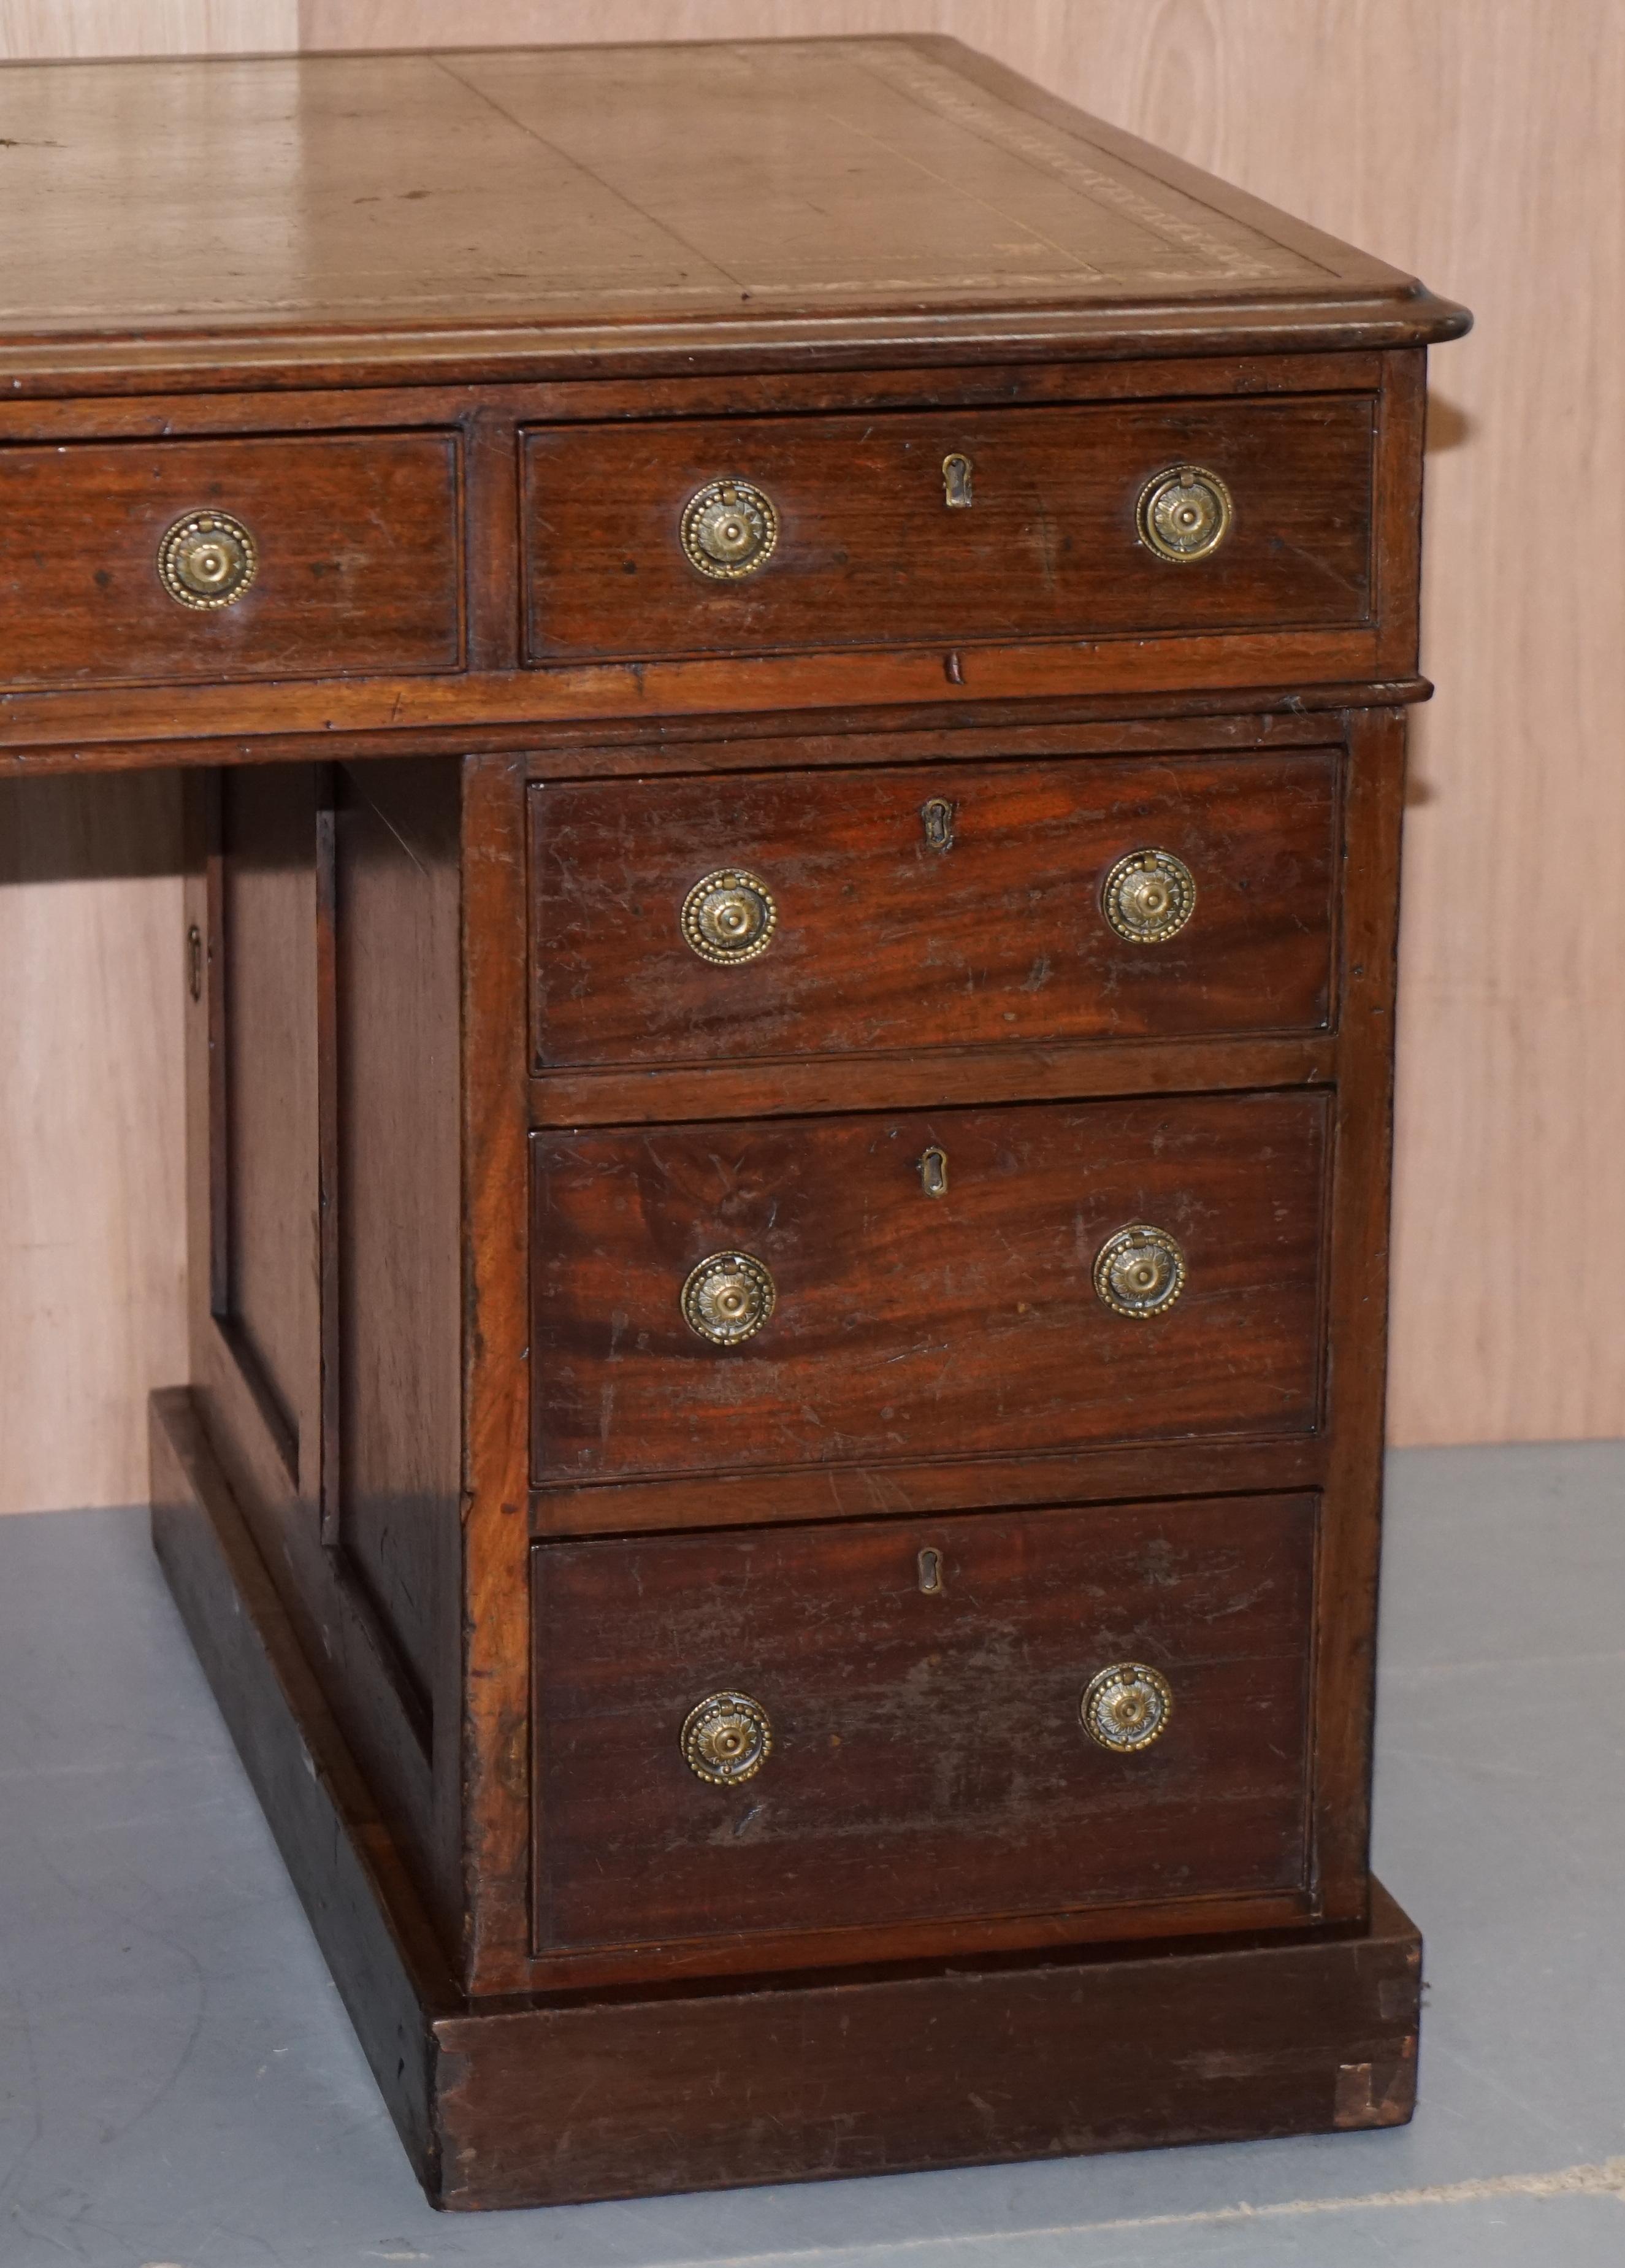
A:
[560,2098]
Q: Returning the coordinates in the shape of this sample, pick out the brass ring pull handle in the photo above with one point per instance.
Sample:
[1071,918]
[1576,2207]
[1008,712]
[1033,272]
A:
[207,560]
[729,529]
[1139,1272]
[728,1296]
[726,1738]
[1184,513]
[1127,1707]
[1149,897]
[729,915]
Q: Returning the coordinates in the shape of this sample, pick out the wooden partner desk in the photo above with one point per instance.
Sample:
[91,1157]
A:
[791,661]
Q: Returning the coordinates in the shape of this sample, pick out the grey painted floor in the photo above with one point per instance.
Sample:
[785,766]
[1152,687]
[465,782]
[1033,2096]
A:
[177,2082]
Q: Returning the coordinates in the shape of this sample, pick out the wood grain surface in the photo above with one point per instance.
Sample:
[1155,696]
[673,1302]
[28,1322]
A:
[1477,147]
[886,939]
[39,29]
[868,554]
[357,564]
[910,1327]
[926,1756]
[92,1237]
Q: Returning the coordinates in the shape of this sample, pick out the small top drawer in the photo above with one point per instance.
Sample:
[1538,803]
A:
[754,536]
[179,561]
[922,906]
[920,1720]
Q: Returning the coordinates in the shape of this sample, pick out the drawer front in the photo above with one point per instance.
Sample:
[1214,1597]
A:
[926,1756]
[353,544]
[907,1325]
[867,549]
[934,907]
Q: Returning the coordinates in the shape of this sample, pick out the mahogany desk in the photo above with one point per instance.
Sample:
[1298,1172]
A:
[791,661]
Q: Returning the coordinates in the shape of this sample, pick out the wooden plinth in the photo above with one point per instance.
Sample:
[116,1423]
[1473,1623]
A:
[563,2098]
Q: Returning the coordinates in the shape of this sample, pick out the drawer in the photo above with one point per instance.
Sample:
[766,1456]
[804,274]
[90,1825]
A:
[789,1293]
[916,1719]
[186,560]
[867,549]
[920,907]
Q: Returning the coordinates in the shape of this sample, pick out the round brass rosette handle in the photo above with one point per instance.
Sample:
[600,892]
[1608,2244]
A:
[207,560]
[726,1738]
[1149,897]
[1139,1272]
[1184,513]
[729,529]
[1127,1707]
[728,1296]
[729,915]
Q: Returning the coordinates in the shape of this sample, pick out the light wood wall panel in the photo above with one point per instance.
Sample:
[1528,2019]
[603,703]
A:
[1476,145]
[44,29]
[569,23]
[92,1241]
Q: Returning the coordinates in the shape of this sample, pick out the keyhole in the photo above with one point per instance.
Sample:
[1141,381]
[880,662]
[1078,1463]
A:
[955,483]
[931,1572]
[934,1172]
[937,818]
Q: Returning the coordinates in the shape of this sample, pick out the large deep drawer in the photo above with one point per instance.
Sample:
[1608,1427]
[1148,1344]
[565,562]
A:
[918,906]
[870,1288]
[844,531]
[994,1715]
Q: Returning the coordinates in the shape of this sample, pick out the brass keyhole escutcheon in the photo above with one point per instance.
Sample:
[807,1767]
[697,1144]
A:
[727,1297]
[726,1738]
[729,915]
[207,560]
[1149,897]
[729,529]
[930,1566]
[1139,1272]
[1127,1707]
[937,818]
[934,1172]
[1184,513]
[955,483]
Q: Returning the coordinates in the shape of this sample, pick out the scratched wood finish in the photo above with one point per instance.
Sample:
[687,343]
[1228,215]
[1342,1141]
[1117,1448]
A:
[888,938]
[358,566]
[870,552]
[928,1758]
[910,1326]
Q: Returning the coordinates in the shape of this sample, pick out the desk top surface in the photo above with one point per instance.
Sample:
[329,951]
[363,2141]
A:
[511,212]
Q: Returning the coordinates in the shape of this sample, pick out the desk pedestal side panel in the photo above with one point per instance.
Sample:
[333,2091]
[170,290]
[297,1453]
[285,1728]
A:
[325,1174]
